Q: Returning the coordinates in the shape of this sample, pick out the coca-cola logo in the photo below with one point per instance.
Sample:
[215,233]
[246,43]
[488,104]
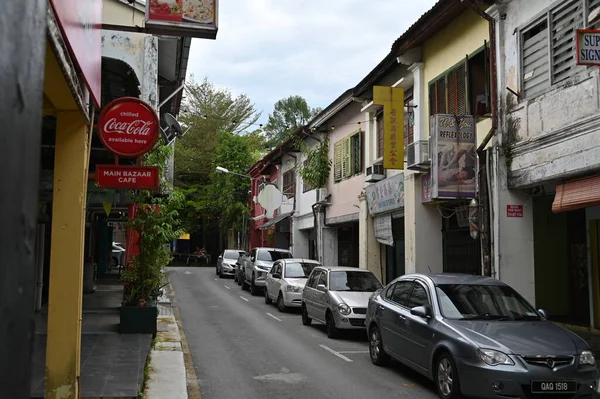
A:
[128,127]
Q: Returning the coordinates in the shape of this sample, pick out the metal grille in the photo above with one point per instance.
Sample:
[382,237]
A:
[462,254]
[357,322]
[549,361]
[359,310]
[564,22]
[534,59]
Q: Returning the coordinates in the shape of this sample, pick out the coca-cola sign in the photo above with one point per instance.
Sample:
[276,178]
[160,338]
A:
[128,127]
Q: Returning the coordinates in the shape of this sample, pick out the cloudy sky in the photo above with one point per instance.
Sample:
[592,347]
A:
[270,49]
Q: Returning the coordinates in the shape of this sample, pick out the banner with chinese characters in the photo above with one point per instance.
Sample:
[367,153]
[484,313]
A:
[386,195]
[453,156]
[392,100]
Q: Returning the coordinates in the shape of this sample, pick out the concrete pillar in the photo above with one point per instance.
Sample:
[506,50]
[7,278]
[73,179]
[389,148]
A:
[300,239]
[422,229]
[66,256]
[330,246]
[419,98]
[370,253]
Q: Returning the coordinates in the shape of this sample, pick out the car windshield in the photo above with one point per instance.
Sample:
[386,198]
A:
[231,254]
[353,281]
[299,270]
[483,302]
[271,255]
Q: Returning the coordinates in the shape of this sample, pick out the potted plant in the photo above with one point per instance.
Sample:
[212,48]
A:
[154,227]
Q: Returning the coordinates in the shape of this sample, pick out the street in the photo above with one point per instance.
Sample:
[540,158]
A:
[243,348]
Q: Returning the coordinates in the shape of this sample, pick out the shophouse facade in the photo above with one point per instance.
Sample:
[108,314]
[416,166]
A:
[547,158]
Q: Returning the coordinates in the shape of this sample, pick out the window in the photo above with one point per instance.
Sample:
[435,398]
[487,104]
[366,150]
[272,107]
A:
[418,297]
[231,254]
[464,89]
[305,186]
[298,270]
[379,126]
[348,157]
[323,279]
[401,291]
[548,46]
[289,183]
[314,277]
[270,255]
[409,120]
[354,281]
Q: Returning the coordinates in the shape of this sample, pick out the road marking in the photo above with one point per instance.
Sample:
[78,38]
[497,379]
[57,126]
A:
[227,287]
[284,376]
[328,349]
[352,352]
[245,299]
[215,279]
[274,317]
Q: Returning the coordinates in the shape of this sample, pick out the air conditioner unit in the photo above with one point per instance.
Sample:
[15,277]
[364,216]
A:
[417,155]
[322,194]
[375,173]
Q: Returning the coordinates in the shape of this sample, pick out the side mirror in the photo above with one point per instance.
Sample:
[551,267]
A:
[421,311]
[276,275]
[321,288]
[543,313]
[220,256]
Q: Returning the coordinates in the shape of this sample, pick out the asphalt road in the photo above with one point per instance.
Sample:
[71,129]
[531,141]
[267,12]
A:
[243,348]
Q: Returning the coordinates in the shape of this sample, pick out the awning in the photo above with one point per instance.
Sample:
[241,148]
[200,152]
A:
[577,194]
[276,220]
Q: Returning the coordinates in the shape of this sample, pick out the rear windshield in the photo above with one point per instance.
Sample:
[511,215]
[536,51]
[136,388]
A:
[299,270]
[231,254]
[272,255]
[353,281]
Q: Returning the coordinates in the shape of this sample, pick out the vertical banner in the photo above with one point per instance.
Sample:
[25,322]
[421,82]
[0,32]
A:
[453,156]
[392,100]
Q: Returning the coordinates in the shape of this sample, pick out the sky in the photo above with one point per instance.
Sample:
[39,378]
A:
[271,49]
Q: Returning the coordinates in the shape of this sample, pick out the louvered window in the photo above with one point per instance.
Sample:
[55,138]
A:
[448,94]
[548,46]
[348,157]
[337,161]
[305,186]
[289,183]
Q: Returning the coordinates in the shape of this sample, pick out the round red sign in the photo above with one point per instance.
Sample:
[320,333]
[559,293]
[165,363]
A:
[128,127]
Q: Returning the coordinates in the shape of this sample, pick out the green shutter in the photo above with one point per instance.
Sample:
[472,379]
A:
[337,161]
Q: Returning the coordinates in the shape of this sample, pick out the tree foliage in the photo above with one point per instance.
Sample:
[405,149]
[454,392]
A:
[289,114]
[315,172]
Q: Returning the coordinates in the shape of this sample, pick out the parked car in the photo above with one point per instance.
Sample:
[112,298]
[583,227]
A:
[226,262]
[238,274]
[257,264]
[338,297]
[476,336]
[286,280]
[117,256]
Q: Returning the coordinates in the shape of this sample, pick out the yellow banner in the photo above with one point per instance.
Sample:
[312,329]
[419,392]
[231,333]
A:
[392,100]
[185,237]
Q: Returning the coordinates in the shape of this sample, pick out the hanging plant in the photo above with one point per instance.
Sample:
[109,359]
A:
[317,165]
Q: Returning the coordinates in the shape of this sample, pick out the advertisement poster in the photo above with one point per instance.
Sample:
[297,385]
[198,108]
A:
[453,156]
[184,15]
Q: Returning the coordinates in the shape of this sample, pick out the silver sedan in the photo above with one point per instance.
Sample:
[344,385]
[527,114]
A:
[476,336]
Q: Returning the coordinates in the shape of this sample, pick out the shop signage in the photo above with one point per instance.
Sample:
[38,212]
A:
[81,25]
[588,47]
[386,195]
[392,100]
[128,127]
[453,156]
[514,211]
[187,18]
[128,177]
[426,188]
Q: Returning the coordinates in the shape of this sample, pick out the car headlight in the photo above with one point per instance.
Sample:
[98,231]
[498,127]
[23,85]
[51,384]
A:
[293,288]
[587,357]
[344,309]
[494,358]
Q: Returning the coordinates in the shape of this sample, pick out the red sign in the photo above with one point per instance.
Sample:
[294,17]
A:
[128,177]
[81,25]
[514,211]
[188,18]
[128,127]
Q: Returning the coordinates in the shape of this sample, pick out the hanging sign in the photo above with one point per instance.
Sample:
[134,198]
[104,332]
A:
[588,47]
[128,127]
[392,99]
[128,177]
[386,195]
[187,18]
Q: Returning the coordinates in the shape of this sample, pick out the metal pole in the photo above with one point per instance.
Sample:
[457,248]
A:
[23,45]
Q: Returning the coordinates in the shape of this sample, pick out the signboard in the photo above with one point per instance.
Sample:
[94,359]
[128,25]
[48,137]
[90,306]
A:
[453,156]
[588,46]
[188,18]
[426,188]
[128,177]
[128,127]
[514,211]
[383,229]
[392,99]
[386,195]
[81,24]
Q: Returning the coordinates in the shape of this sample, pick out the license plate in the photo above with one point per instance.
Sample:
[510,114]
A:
[553,386]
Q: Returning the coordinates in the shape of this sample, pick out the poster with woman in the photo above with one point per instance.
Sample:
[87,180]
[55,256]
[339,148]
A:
[453,156]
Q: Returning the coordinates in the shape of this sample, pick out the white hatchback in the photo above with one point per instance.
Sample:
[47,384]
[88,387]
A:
[286,280]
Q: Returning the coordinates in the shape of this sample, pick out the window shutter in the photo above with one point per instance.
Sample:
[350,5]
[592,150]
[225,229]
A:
[356,153]
[534,59]
[432,96]
[592,5]
[564,22]
[441,96]
[346,158]
[337,161]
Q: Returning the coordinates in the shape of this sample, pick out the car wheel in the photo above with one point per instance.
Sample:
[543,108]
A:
[245,285]
[217,270]
[446,377]
[253,288]
[268,300]
[305,319]
[332,330]
[235,277]
[221,273]
[378,355]
[280,303]
[239,280]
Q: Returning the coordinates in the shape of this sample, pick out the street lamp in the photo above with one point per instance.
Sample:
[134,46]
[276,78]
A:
[221,169]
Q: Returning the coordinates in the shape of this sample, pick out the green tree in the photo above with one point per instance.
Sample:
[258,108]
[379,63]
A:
[288,115]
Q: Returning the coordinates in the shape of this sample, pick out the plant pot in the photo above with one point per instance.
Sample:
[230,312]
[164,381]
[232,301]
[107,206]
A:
[138,320]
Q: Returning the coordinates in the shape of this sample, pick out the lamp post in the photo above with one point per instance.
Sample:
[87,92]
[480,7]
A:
[221,169]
